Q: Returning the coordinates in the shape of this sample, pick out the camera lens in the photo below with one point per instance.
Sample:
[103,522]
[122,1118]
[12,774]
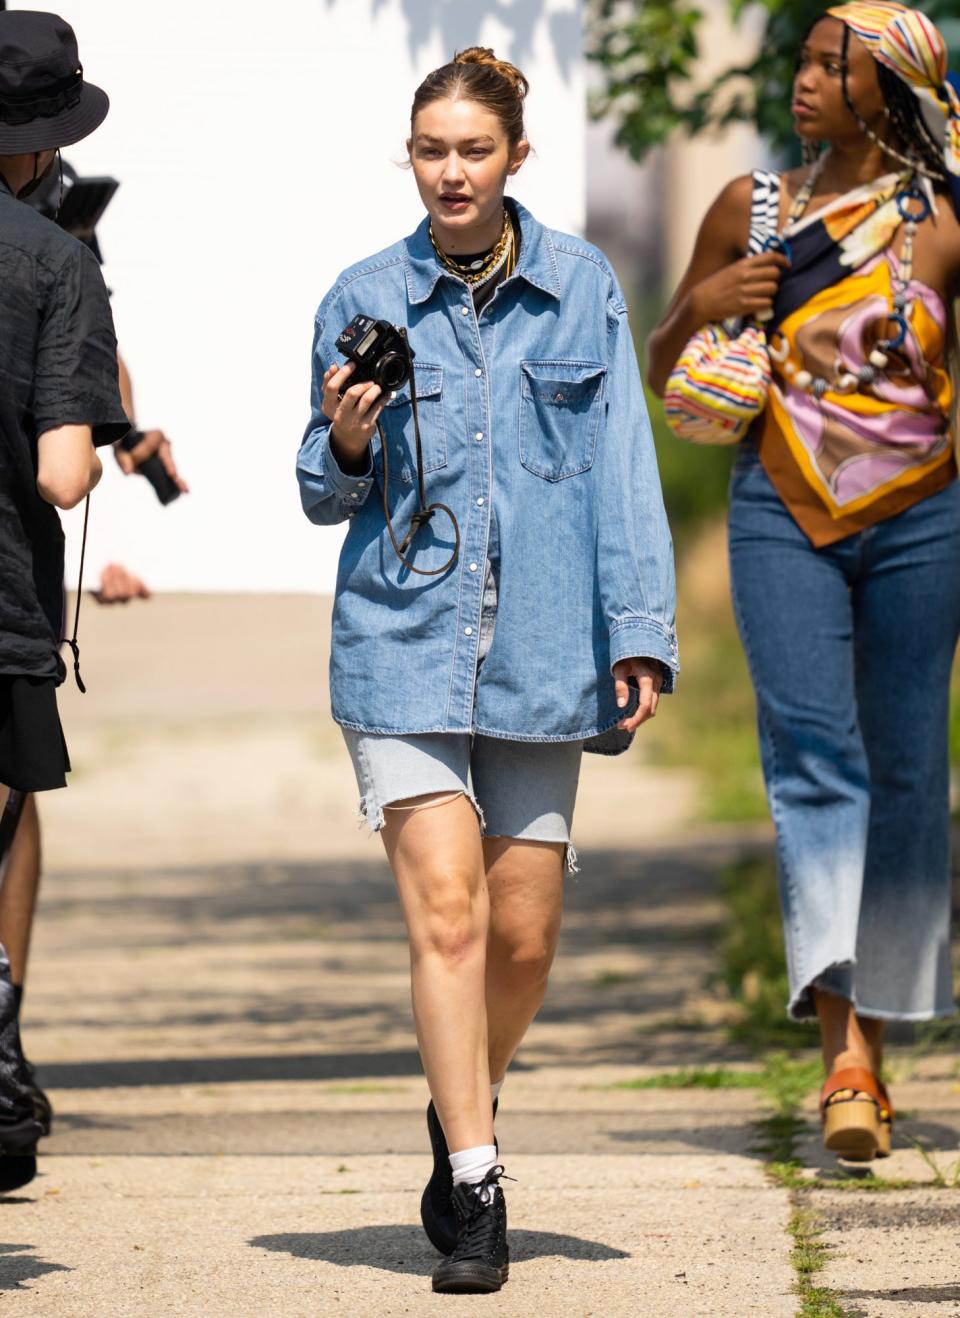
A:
[392,370]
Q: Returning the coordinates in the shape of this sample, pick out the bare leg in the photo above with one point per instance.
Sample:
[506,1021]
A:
[526,901]
[848,1039]
[436,856]
[18,893]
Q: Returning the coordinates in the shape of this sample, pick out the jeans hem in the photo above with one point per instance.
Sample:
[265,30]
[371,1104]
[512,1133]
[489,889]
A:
[801,1005]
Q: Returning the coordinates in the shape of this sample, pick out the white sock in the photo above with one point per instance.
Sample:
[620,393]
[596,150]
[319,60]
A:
[495,1089]
[470,1166]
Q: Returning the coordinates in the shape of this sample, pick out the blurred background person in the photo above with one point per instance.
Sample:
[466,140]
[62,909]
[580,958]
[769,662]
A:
[59,401]
[76,204]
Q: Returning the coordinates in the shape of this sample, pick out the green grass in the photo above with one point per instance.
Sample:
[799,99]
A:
[943,1178]
[718,1077]
[753,959]
[613,978]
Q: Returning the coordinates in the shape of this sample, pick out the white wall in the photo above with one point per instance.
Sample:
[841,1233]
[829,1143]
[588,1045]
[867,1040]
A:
[255,144]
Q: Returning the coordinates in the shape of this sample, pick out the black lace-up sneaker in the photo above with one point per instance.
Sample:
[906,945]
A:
[480,1262]
[42,1107]
[436,1210]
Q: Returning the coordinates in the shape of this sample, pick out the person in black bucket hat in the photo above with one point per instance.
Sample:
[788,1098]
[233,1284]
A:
[59,401]
[45,103]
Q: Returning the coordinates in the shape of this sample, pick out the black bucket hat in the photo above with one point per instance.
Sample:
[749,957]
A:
[44,101]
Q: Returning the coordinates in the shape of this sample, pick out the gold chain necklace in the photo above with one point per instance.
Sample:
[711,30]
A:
[479,271]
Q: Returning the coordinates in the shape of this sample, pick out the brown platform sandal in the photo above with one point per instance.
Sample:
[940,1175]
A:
[885,1147]
[853,1127]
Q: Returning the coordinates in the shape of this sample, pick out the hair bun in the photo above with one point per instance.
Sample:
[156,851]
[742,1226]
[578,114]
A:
[484,56]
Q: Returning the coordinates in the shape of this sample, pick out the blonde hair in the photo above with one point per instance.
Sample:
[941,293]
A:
[477,75]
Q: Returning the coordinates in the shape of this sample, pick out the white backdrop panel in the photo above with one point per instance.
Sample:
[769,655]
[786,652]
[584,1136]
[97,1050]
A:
[257,148]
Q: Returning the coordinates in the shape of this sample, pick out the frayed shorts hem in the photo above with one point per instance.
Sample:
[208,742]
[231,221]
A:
[375,820]
[523,791]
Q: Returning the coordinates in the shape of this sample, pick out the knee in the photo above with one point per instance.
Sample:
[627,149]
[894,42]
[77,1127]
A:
[523,955]
[451,925]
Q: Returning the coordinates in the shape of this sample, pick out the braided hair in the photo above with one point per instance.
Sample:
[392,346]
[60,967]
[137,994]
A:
[922,151]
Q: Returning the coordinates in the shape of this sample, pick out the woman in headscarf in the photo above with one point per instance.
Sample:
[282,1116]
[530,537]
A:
[845,527]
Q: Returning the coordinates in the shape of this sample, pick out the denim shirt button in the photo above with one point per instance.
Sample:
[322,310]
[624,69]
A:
[468,631]
[478,436]
[473,567]
[478,372]
[480,501]
[464,311]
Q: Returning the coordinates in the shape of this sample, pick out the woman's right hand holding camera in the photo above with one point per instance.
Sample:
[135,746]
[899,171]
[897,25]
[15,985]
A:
[354,416]
[745,288]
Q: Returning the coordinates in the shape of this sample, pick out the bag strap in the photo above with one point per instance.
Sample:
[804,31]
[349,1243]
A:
[764,209]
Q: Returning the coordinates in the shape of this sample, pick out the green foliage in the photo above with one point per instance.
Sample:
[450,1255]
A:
[694,478]
[754,962]
[649,54]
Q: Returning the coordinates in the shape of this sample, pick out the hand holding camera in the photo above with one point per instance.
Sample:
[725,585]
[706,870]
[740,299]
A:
[148,453]
[378,362]
[354,411]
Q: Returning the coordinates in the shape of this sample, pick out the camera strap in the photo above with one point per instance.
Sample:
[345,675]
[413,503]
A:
[73,642]
[424,514]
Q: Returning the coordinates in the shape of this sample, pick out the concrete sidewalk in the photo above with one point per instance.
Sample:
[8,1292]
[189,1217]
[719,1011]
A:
[219,1004]
[240,1112]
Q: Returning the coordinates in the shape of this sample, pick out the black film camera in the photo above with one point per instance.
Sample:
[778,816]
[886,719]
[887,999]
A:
[380,353]
[164,486]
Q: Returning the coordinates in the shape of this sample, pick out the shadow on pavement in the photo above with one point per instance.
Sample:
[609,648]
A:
[403,1248]
[889,1212]
[18,1266]
[931,1134]
[942,1294]
[223,1070]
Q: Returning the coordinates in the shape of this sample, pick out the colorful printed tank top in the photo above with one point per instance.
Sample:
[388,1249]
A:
[848,459]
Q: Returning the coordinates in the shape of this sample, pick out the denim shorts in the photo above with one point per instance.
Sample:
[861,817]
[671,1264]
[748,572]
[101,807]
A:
[521,789]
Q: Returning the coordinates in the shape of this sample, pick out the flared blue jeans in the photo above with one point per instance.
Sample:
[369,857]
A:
[850,649]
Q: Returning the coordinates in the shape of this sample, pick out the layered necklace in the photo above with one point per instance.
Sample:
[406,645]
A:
[479,270]
[914,207]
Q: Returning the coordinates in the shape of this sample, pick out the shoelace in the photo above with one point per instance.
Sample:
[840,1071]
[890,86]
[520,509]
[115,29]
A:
[482,1223]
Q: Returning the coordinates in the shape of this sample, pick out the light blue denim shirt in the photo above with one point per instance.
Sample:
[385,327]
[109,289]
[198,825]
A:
[534,407]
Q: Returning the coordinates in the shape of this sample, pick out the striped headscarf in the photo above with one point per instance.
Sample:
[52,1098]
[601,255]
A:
[909,44]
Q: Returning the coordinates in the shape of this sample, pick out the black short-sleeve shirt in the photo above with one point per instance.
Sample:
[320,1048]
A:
[58,367]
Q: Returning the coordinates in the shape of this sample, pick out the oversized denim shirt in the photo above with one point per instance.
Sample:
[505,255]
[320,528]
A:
[535,409]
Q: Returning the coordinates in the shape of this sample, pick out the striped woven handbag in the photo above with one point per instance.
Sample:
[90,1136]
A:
[719,386]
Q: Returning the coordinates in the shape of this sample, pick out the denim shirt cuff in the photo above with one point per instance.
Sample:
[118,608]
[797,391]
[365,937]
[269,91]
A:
[645,638]
[352,491]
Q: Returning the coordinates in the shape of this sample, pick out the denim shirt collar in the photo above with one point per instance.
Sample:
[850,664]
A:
[537,265]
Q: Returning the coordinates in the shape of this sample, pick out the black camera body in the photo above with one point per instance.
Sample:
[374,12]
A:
[164,486]
[380,353]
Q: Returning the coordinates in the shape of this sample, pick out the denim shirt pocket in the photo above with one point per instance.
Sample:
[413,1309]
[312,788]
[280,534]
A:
[396,421]
[560,406]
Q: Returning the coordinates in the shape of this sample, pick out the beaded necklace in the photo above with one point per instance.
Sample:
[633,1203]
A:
[482,269]
[909,193]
